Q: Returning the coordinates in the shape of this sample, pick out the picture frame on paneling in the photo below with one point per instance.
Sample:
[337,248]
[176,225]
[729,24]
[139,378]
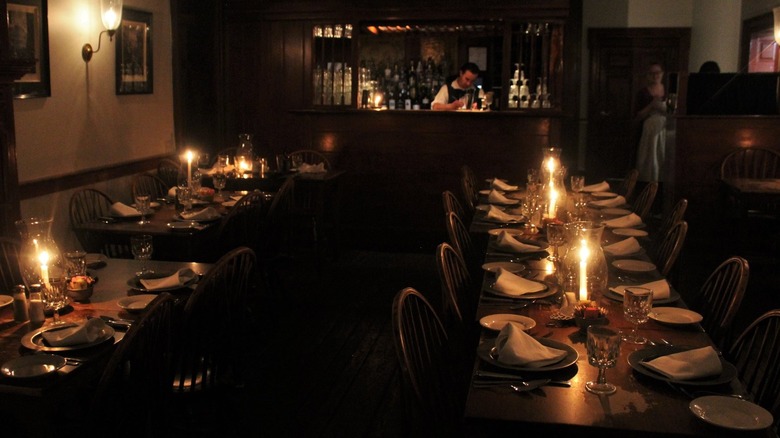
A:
[134,67]
[28,35]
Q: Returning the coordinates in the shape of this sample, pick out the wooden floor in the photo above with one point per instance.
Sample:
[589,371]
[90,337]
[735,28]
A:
[327,364]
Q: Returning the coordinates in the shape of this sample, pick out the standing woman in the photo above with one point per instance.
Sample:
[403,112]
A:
[651,116]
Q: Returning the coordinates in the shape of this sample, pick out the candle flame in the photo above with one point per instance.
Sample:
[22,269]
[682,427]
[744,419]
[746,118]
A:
[43,257]
[189,156]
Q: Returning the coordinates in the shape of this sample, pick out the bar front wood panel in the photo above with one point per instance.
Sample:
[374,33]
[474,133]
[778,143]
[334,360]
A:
[398,163]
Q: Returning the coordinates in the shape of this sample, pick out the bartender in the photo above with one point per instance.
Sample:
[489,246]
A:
[460,92]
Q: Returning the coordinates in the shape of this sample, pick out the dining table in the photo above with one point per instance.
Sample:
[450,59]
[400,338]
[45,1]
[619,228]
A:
[645,403]
[119,298]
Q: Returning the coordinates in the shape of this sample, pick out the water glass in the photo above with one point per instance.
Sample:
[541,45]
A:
[637,302]
[142,249]
[75,263]
[222,161]
[55,297]
[184,195]
[533,175]
[603,346]
[556,236]
[143,204]
[220,180]
[577,183]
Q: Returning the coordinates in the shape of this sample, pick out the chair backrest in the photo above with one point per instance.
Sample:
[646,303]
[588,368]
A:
[10,273]
[469,188]
[148,184]
[451,204]
[310,156]
[214,331]
[425,358]
[136,381]
[751,163]
[168,171]
[460,239]
[664,252]
[756,354]
[458,299]
[242,224]
[88,205]
[675,215]
[644,200]
[628,184]
[274,225]
[720,297]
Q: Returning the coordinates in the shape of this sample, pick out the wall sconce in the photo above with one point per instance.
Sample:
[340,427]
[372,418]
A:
[111,14]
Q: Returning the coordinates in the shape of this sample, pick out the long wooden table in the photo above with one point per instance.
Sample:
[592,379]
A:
[642,406]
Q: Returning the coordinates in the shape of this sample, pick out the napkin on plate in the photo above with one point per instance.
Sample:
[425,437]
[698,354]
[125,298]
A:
[599,187]
[660,288]
[508,242]
[624,247]
[515,285]
[627,221]
[312,168]
[89,331]
[496,215]
[207,213]
[177,279]
[687,365]
[123,210]
[496,197]
[617,201]
[501,185]
[516,347]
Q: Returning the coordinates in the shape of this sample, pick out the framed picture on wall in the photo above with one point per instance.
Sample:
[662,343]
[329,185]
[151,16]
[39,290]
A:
[134,68]
[28,37]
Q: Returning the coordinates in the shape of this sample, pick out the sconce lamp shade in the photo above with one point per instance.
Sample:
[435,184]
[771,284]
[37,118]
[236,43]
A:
[776,11]
[111,13]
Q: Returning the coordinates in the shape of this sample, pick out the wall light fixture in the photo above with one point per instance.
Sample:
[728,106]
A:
[111,14]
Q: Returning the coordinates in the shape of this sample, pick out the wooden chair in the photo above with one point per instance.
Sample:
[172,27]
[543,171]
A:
[675,215]
[310,156]
[751,163]
[756,354]
[720,297]
[242,225]
[665,250]
[208,362]
[469,188]
[452,205]
[168,171]
[459,300]
[89,205]
[10,273]
[133,392]
[644,200]
[431,389]
[628,184]
[308,202]
[148,184]
[460,239]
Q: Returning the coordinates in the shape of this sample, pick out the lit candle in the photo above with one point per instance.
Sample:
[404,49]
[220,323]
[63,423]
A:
[584,254]
[43,257]
[189,168]
[553,200]
[378,100]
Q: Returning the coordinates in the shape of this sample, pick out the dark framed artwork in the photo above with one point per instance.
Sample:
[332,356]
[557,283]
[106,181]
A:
[28,35]
[134,68]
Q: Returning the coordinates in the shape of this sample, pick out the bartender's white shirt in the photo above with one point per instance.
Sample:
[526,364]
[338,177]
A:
[443,96]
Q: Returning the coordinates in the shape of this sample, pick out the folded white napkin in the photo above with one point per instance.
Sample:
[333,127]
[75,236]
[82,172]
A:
[122,210]
[311,168]
[496,197]
[177,279]
[226,169]
[496,215]
[687,365]
[200,215]
[515,285]
[501,185]
[516,347]
[627,221]
[89,331]
[598,187]
[660,288]
[508,242]
[617,201]
[624,247]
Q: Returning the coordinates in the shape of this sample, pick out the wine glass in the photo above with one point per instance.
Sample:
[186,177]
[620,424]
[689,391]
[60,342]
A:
[603,346]
[637,302]
[142,249]
[577,183]
[556,236]
[142,204]
[488,101]
[55,297]
[219,179]
[533,175]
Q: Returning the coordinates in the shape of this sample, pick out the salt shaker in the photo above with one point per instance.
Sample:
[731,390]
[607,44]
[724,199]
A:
[21,313]
[37,315]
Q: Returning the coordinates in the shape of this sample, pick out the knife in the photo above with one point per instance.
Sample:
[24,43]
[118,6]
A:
[504,377]
[117,323]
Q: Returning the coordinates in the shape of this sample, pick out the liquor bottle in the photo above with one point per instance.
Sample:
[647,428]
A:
[391,104]
[426,100]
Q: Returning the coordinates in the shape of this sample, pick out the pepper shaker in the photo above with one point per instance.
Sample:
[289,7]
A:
[21,312]
[37,315]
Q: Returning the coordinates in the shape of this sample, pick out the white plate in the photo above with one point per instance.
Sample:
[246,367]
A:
[136,303]
[510,231]
[603,194]
[731,412]
[5,300]
[509,266]
[616,211]
[33,365]
[96,260]
[499,320]
[229,203]
[633,232]
[208,219]
[34,339]
[549,289]
[633,265]
[674,315]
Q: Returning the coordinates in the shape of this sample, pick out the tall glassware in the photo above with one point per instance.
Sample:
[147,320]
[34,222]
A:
[637,303]
[603,346]
[142,249]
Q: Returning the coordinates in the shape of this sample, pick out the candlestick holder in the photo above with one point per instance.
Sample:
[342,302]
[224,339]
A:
[584,266]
